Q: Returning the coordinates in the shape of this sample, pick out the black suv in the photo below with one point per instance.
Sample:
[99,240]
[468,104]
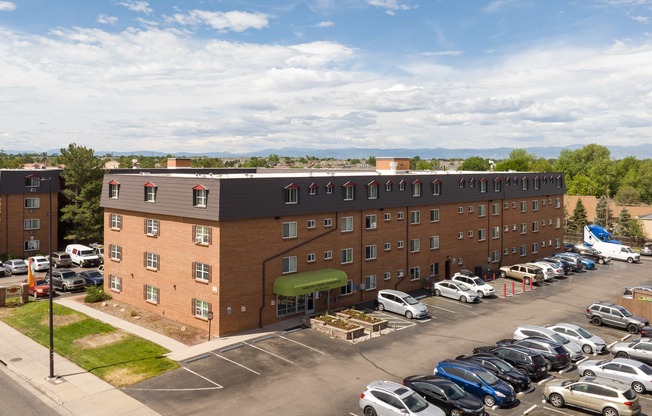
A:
[591,253]
[603,313]
[555,354]
[527,361]
[501,369]
[66,279]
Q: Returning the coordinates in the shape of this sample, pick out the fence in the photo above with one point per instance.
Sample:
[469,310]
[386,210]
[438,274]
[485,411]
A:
[578,237]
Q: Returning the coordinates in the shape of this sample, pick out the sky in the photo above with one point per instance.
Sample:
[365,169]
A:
[240,76]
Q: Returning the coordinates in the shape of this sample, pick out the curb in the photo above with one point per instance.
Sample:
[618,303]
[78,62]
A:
[34,384]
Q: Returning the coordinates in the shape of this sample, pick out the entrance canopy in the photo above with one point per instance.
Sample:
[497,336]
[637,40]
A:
[308,282]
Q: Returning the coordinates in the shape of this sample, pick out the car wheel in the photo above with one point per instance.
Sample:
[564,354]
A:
[503,274]
[480,294]
[638,387]
[601,261]
[526,280]
[9,272]
[381,307]
[369,411]
[610,411]
[489,400]
[586,349]
[589,373]
[596,320]
[548,365]
[630,260]
[522,370]
[64,288]
[457,412]
[464,299]
[437,292]
[556,400]
[35,295]
[633,329]
[408,314]
[622,354]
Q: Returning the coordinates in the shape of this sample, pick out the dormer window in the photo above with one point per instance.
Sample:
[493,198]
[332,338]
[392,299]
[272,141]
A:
[150,192]
[329,188]
[401,186]
[114,190]
[312,189]
[291,194]
[483,185]
[525,183]
[462,183]
[436,187]
[372,190]
[32,181]
[199,196]
[349,191]
[472,183]
[416,188]
[388,186]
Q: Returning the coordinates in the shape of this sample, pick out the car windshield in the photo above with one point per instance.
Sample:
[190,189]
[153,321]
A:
[86,253]
[626,313]
[503,366]
[628,250]
[477,281]
[584,333]
[415,403]
[410,300]
[68,275]
[559,338]
[463,287]
[629,394]
[487,377]
[94,273]
[41,282]
[645,369]
[453,391]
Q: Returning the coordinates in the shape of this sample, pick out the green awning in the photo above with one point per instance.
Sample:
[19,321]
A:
[307,282]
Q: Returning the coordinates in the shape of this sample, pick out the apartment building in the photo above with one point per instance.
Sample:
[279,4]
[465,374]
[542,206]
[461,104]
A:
[27,197]
[238,251]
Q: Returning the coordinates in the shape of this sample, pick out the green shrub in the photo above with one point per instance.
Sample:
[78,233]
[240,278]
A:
[96,294]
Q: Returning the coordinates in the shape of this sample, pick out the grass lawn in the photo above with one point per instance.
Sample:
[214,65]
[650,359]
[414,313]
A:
[117,357]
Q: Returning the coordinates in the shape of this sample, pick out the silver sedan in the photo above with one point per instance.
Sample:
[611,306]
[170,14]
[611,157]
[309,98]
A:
[590,343]
[456,290]
[641,350]
[632,372]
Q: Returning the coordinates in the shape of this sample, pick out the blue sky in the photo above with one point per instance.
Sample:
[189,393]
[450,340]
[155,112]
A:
[222,75]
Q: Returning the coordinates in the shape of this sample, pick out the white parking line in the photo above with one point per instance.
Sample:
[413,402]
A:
[297,342]
[200,376]
[555,410]
[268,352]
[438,307]
[231,361]
[456,302]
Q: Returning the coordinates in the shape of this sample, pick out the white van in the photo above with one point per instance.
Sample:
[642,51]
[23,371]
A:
[619,252]
[82,255]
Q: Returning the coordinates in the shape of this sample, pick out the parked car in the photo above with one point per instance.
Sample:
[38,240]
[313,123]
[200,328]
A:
[477,381]
[525,331]
[632,372]
[39,263]
[602,313]
[558,262]
[66,279]
[389,398]
[524,272]
[101,269]
[16,266]
[501,369]
[629,291]
[92,277]
[587,341]
[61,259]
[598,395]
[555,355]
[3,271]
[587,264]
[574,262]
[549,272]
[592,254]
[98,249]
[455,290]
[568,246]
[646,250]
[446,395]
[401,303]
[640,349]
[480,286]
[41,288]
[82,256]
[524,360]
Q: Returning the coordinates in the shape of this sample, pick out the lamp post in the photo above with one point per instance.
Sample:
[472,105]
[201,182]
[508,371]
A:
[210,318]
[51,377]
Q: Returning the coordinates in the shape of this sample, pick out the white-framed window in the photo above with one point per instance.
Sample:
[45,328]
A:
[495,232]
[349,192]
[557,243]
[535,226]
[399,273]
[523,228]
[310,224]
[199,197]
[460,210]
[328,255]
[434,215]
[203,234]
[513,227]
[290,229]
[415,245]
[32,203]
[495,208]
[329,189]
[506,205]
[506,228]
[472,183]
[400,244]
[401,186]
[416,188]
[495,256]
[115,252]
[347,224]
[387,275]
[482,210]
[388,246]
[151,261]
[32,181]
[535,248]
[346,256]
[543,223]
[434,242]
[150,193]
[483,186]
[513,249]
[114,190]
[498,186]
[505,251]
[348,289]
[291,194]
[482,234]
[557,202]
[523,250]
[436,187]
[311,258]
[370,252]
[372,191]
[470,233]
[537,183]
[470,209]
[151,294]
[415,217]
[460,235]
[526,183]
[415,273]
[388,186]
[557,222]
[462,183]
[543,244]
[115,283]
[523,206]
[400,215]
[116,221]
[370,282]
[201,308]
[202,272]
[371,222]
[387,216]
[328,222]
[151,227]
[312,189]
[513,204]
[32,245]
[543,202]
[535,205]
[32,224]
[289,264]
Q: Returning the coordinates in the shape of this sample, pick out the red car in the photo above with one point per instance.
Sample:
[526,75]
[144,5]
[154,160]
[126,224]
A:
[41,288]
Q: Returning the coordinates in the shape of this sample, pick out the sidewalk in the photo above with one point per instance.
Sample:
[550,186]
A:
[77,392]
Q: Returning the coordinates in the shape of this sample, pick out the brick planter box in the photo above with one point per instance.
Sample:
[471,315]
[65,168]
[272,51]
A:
[369,327]
[335,332]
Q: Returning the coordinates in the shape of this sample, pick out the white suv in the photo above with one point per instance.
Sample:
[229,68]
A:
[389,398]
[474,282]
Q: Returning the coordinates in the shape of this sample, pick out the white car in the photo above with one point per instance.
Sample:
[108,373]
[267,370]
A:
[474,282]
[557,271]
[590,343]
[39,263]
[525,331]
[16,266]
[455,290]
[401,303]
[548,270]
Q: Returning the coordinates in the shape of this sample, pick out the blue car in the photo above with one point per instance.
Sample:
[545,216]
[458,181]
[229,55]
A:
[92,277]
[586,263]
[477,381]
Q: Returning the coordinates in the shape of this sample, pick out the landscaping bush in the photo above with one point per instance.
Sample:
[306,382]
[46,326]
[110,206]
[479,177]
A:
[96,294]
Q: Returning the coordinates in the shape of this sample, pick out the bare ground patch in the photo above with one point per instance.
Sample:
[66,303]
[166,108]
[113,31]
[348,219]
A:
[99,340]
[122,377]
[63,320]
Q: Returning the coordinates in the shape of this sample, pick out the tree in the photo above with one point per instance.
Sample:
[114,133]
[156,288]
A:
[603,214]
[371,160]
[475,163]
[519,160]
[579,219]
[82,189]
[630,227]
[628,195]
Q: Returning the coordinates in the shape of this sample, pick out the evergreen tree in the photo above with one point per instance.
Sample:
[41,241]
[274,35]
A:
[603,214]
[82,189]
[579,219]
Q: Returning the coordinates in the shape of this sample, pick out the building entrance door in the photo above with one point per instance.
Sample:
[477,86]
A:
[310,303]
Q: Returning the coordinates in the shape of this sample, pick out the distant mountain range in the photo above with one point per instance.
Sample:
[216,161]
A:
[643,151]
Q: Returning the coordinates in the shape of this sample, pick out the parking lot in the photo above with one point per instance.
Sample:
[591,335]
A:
[300,371]
[19,278]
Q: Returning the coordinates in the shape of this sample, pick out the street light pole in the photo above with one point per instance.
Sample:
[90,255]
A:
[210,318]
[51,289]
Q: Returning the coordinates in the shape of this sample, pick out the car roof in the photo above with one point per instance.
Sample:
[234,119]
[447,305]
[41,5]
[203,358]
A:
[542,329]
[565,325]
[394,292]
[616,385]
[629,361]
[390,386]
[463,363]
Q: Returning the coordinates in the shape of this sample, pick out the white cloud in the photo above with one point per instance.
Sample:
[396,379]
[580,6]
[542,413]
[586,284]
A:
[7,6]
[443,53]
[106,19]
[641,19]
[389,4]
[224,21]
[325,23]
[137,6]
